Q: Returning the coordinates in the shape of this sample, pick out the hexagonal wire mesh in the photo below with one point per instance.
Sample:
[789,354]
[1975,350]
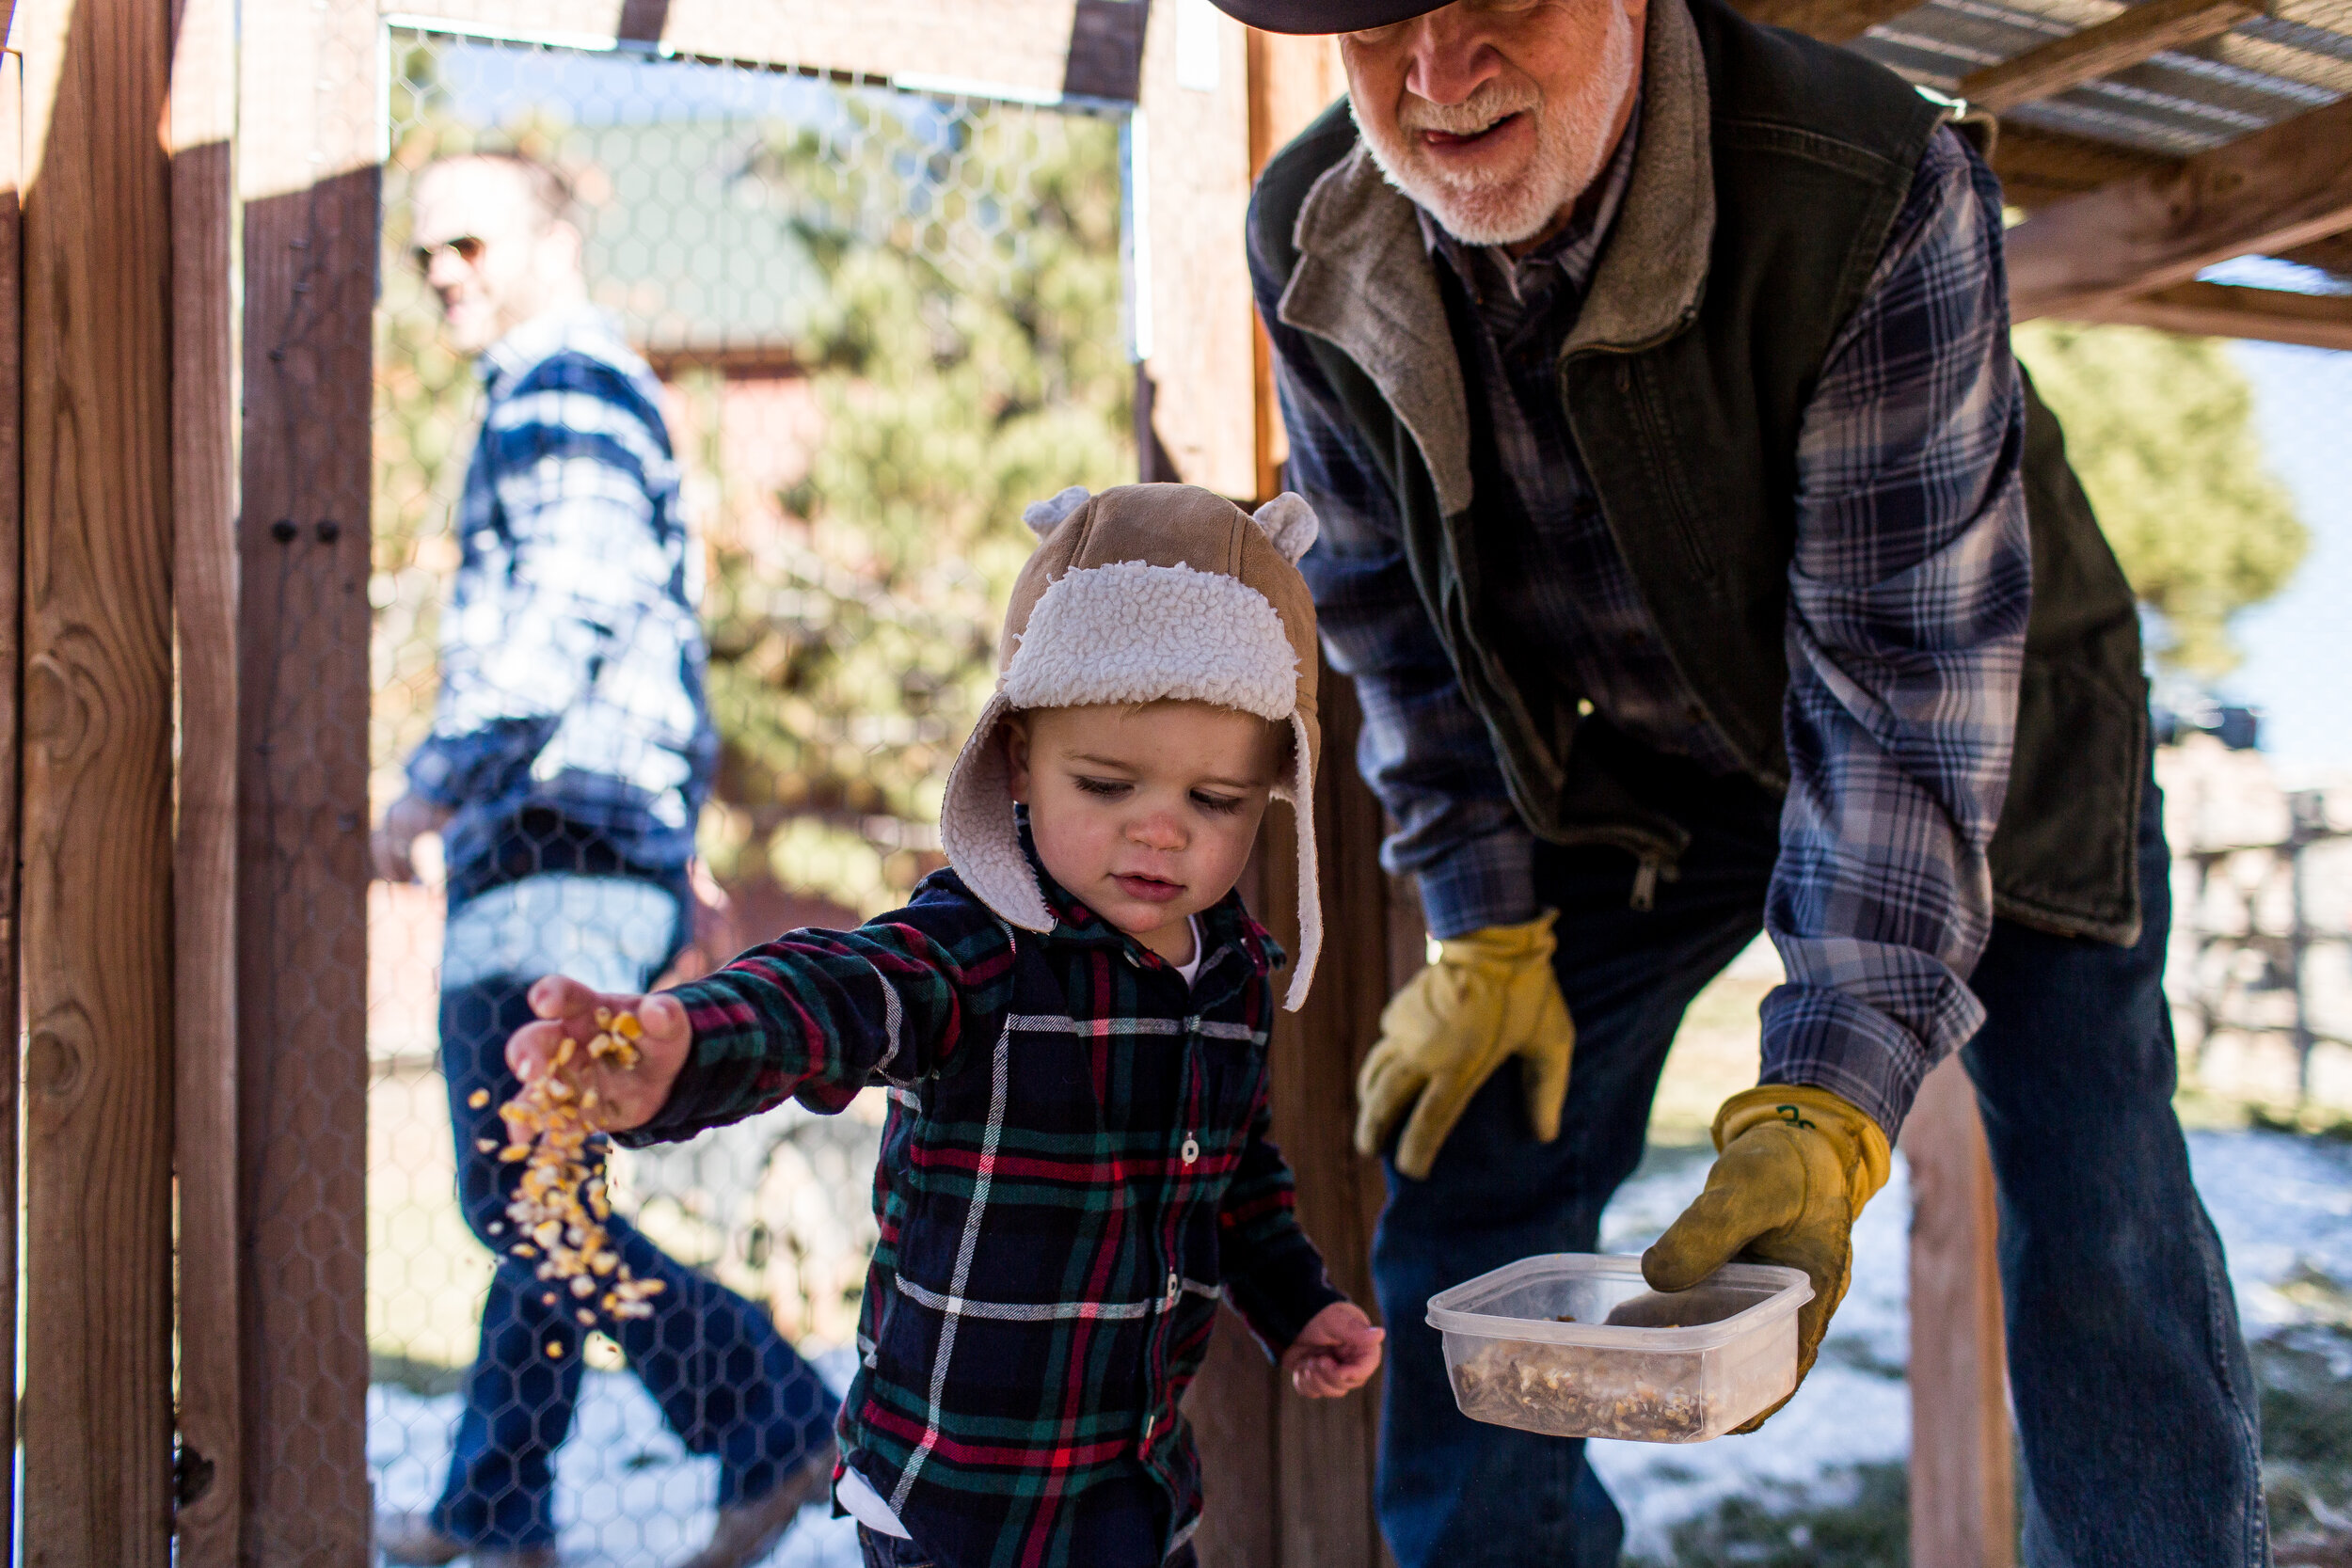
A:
[867,326]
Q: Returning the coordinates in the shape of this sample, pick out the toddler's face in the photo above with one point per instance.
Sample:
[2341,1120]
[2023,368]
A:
[1147,815]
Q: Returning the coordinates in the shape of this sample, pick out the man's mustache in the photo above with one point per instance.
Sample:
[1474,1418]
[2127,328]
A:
[1491,102]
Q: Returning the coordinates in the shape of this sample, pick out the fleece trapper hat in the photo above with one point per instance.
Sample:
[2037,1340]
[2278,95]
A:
[1145,594]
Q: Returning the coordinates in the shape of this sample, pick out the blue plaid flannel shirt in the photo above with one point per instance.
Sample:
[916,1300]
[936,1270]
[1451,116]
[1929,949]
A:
[571,656]
[1908,596]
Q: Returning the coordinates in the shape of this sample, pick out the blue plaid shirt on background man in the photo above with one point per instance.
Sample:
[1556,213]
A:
[1905,634]
[571,655]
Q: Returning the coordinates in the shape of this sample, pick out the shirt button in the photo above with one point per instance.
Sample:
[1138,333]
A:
[1192,1150]
[1149,1422]
[1175,1286]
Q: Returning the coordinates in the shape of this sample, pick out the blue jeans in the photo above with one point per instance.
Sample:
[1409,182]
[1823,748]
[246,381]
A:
[724,1379]
[2134,1402]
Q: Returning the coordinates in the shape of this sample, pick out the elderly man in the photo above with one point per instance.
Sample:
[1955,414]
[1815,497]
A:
[570,755]
[1649,369]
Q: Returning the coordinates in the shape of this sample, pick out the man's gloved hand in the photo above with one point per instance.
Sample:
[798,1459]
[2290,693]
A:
[1490,995]
[1794,1166]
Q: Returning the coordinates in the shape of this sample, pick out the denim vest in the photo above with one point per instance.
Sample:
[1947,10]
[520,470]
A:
[1769,172]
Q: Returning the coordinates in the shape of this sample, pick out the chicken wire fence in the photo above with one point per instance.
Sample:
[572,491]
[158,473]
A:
[869,327]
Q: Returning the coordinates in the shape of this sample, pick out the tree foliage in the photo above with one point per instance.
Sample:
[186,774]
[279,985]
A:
[969,361]
[2161,430]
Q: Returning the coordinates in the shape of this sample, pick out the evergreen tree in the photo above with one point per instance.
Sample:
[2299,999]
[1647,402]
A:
[2161,430]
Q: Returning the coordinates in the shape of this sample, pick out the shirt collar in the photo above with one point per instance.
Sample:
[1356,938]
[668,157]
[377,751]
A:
[1568,256]
[542,338]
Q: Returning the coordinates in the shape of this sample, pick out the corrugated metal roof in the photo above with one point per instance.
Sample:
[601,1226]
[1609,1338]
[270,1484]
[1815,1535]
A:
[2176,102]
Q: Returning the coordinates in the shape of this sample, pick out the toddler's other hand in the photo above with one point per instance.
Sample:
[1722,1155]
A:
[626,1097]
[1335,1354]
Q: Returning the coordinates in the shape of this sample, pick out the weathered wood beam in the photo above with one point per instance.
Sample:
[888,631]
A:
[2224,310]
[309,183]
[96,1410]
[2102,49]
[1962,1496]
[2277,188]
[2038,167]
[2332,254]
[209,1519]
[11,720]
[1835,21]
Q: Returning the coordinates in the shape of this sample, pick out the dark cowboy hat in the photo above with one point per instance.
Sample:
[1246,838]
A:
[1324,16]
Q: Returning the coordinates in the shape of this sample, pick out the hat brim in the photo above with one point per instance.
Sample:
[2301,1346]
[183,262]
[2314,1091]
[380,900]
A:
[1324,16]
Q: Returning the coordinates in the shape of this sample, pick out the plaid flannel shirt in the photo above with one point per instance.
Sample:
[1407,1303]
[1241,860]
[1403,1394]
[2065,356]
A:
[1075,1169]
[571,656]
[1905,634]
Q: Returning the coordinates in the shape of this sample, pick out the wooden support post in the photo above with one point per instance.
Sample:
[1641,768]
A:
[97,781]
[2103,49]
[308,184]
[1292,79]
[2282,186]
[1194,118]
[204,885]
[11,722]
[1963,1499]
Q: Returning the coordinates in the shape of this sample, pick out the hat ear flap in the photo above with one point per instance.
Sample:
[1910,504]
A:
[1045,516]
[1290,523]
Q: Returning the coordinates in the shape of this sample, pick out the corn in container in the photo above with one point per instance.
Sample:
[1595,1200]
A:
[1576,1345]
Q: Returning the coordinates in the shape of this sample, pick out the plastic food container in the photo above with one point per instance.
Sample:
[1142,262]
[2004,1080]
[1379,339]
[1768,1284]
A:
[1576,1345]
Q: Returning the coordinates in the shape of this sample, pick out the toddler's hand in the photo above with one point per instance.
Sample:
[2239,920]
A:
[626,1097]
[1335,1354]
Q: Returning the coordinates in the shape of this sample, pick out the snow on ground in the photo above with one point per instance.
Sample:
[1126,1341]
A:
[626,1490]
[629,1494]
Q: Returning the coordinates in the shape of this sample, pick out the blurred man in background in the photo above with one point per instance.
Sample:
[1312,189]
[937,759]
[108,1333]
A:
[571,751]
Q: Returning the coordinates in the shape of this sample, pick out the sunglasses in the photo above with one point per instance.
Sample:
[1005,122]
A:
[465,247]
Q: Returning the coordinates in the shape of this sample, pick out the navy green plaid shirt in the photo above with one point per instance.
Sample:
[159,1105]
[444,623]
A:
[1074,1170]
[1908,593]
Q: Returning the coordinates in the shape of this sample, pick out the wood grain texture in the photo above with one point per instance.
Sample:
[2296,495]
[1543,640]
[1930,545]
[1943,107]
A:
[204,882]
[97,781]
[1292,79]
[1835,21]
[310,185]
[2223,311]
[2039,166]
[1963,1496]
[1327,1449]
[11,720]
[2278,188]
[2103,49]
[1232,1405]
[1195,118]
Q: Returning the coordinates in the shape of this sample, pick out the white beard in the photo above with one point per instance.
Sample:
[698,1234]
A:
[1571,144]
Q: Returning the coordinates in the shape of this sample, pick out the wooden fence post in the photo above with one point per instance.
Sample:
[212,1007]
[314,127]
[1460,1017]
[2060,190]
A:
[97,783]
[12,718]
[308,180]
[1962,1505]
[204,888]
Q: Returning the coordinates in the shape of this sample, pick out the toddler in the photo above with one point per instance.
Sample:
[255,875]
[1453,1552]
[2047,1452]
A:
[1071,1021]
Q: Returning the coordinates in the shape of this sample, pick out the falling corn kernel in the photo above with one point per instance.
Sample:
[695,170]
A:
[585,1316]
[548,1299]
[556,1201]
[555,1350]
[478,1098]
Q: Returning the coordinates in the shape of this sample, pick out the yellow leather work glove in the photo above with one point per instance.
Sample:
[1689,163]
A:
[1491,995]
[1793,1167]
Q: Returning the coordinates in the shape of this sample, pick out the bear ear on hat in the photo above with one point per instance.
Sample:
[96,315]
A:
[1045,516]
[1290,522]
